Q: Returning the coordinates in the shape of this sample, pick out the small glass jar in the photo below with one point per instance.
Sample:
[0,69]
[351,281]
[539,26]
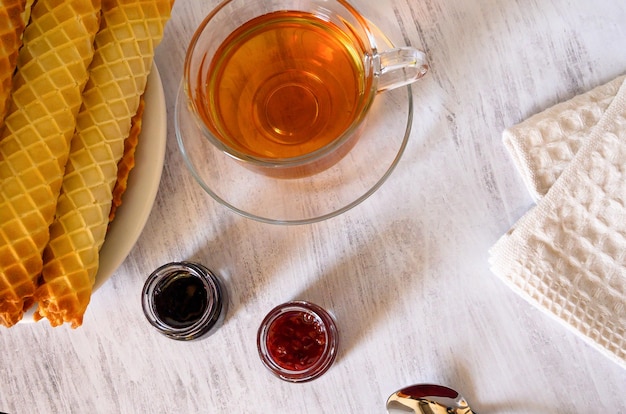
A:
[184,301]
[297,341]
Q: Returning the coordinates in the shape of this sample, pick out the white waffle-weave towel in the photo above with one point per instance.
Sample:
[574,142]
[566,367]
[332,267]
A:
[567,255]
[544,144]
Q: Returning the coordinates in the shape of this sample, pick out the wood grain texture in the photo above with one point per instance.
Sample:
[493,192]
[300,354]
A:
[405,272]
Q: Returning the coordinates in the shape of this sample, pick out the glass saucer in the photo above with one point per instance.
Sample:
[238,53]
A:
[309,199]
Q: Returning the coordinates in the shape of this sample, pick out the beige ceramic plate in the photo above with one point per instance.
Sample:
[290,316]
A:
[143,184]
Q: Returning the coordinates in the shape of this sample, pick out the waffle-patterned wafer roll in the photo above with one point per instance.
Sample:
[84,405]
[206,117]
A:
[125,45]
[14,15]
[127,163]
[34,147]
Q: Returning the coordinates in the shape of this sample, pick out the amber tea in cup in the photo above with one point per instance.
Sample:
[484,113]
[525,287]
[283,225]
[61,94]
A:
[285,86]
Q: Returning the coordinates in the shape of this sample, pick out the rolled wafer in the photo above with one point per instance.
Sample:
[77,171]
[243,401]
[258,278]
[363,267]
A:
[125,45]
[127,163]
[14,15]
[34,146]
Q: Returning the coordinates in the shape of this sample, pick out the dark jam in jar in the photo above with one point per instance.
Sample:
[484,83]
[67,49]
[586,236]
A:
[184,300]
[181,301]
[297,341]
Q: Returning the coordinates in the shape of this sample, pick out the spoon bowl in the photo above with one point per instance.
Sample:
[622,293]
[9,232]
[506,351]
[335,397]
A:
[428,399]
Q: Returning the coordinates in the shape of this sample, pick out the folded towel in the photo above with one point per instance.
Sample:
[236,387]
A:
[544,144]
[567,255]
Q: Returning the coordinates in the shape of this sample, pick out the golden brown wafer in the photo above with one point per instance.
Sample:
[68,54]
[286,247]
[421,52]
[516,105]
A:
[125,44]
[34,146]
[14,14]
[127,163]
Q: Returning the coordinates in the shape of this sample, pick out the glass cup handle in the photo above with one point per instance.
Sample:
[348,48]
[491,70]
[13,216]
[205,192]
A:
[399,67]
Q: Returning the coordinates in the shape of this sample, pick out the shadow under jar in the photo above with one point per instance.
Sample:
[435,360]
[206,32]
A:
[297,341]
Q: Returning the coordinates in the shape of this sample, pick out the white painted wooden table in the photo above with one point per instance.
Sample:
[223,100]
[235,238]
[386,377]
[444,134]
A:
[405,272]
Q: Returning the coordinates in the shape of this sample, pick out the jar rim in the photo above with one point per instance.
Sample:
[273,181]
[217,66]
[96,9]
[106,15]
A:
[215,307]
[327,356]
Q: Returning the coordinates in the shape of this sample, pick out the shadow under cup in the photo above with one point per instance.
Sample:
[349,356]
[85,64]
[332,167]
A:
[285,89]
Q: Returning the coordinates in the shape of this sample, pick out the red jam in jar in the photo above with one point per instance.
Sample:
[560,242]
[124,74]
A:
[297,341]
